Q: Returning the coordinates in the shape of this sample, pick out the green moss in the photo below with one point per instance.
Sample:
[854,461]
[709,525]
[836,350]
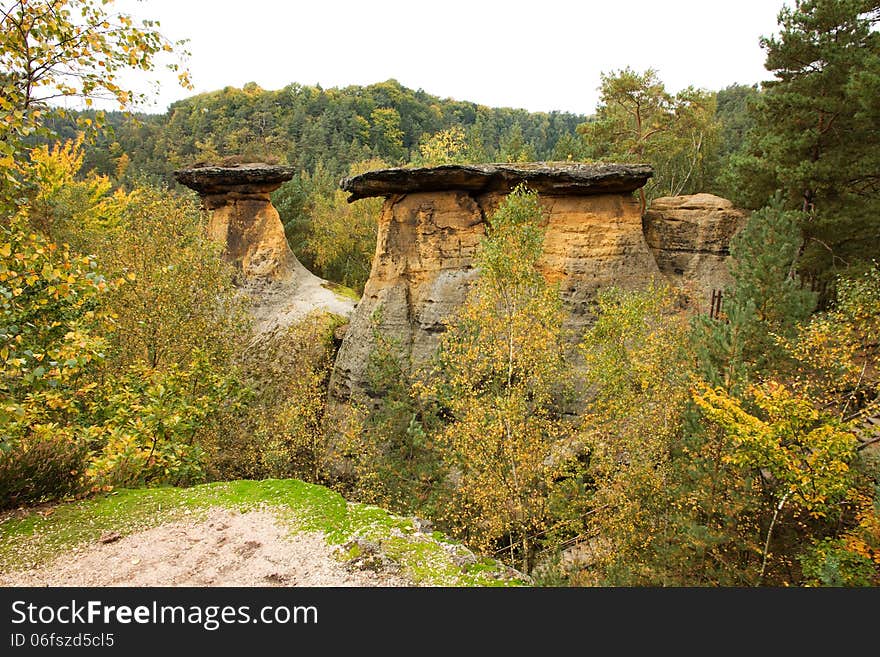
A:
[39,536]
[342,291]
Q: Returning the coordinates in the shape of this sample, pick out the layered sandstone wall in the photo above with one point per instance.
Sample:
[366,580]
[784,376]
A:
[429,231]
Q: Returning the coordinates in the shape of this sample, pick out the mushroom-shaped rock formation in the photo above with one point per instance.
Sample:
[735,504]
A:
[244,220]
[690,237]
[432,222]
[243,217]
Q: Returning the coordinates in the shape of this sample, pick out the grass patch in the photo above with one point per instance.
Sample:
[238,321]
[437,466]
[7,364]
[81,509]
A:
[341,291]
[34,537]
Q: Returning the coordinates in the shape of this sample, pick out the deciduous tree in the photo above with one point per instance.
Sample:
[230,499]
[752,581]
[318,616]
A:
[53,49]
[499,377]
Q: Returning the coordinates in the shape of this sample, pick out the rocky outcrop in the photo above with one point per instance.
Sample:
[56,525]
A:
[244,220]
[243,217]
[690,238]
[431,225]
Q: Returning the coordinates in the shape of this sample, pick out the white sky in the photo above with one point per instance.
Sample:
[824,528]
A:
[540,55]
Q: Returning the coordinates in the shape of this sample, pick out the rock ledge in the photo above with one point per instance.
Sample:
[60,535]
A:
[219,179]
[553,178]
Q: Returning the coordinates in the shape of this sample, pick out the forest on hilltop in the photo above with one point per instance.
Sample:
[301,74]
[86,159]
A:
[309,128]
[737,449]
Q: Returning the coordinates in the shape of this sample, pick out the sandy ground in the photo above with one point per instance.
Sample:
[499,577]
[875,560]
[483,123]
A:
[226,549]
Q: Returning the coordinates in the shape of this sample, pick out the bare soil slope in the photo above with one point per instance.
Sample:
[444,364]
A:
[228,548]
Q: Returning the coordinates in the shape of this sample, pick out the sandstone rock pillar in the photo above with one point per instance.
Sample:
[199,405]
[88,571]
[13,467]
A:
[244,220]
[432,223]
[243,217]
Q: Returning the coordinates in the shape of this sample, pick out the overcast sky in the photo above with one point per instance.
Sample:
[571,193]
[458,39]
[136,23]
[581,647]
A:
[540,55]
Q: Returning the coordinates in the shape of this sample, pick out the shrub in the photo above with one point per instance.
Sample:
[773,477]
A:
[48,464]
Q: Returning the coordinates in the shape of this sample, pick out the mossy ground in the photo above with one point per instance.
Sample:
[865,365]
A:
[38,535]
[342,291]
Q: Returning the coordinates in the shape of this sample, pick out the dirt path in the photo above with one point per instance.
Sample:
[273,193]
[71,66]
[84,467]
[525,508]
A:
[225,549]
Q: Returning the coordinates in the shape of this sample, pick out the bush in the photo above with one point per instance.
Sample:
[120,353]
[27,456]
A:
[278,432]
[830,563]
[157,422]
[47,465]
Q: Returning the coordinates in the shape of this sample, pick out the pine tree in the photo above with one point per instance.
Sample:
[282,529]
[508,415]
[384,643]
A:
[766,299]
[816,136]
[639,121]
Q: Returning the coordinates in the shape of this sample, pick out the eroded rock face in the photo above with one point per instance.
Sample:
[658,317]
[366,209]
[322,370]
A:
[243,217]
[244,220]
[690,237]
[427,240]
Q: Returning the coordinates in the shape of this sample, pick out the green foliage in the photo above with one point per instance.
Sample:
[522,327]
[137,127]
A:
[815,136]
[395,464]
[450,146]
[803,458]
[50,331]
[735,117]
[117,369]
[63,206]
[795,435]
[341,238]
[640,369]
[513,147]
[155,423]
[386,135]
[639,121]
[179,324]
[179,295]
[837,349]
[305,126]
[333,238]
[279,429]
[45,465]
[51,49]
[691,484]
[568,148]
[765,302]
[295,202]
[499,377]
[831,563]
[804,453]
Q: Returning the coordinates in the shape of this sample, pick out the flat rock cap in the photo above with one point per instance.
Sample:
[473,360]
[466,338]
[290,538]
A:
[557,178]
[218,179]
